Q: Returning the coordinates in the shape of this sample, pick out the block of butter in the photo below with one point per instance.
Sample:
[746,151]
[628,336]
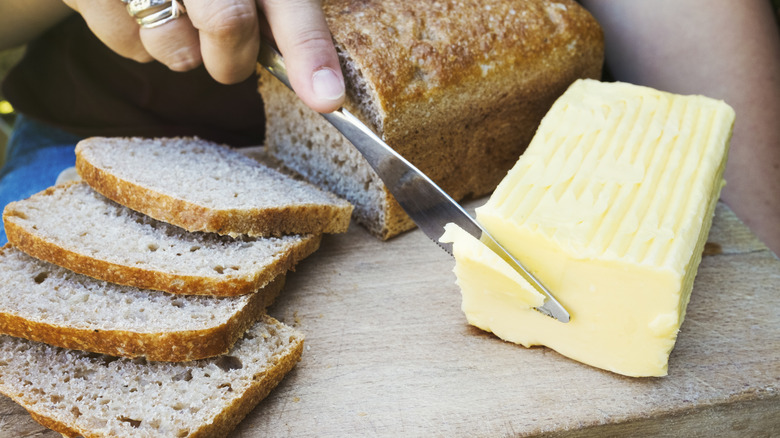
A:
[610,207]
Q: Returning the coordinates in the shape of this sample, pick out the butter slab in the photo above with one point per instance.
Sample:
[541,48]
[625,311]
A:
[610,207]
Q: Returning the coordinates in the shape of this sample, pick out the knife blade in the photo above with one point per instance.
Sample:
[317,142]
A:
[430,207]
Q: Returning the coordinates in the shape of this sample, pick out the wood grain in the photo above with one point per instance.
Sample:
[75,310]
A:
[388,353]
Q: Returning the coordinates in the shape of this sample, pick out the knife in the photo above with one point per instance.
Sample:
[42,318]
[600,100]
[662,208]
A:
[430,207]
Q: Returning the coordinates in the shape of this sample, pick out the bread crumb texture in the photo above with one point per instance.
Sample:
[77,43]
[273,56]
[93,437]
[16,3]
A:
[202,172]
[97,396]
[41,291]
[203,186]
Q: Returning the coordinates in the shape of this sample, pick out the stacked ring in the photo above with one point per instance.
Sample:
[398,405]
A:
[153,13]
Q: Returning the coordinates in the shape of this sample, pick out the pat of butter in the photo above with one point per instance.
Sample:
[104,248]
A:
[609,207]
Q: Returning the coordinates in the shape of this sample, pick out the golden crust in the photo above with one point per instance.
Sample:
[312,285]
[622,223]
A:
[224,286]
[55,425]
[423,49]
[176,346]
[300,219]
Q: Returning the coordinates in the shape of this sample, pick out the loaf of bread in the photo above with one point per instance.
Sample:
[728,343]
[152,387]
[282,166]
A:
[202,186]
[92,395]
[77,228]
[46,303]
[456,87]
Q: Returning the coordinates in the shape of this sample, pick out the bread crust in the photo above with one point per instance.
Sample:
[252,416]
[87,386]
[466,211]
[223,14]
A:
[55,425]
[276,221]
[173,346]
[224,286]
[413,52]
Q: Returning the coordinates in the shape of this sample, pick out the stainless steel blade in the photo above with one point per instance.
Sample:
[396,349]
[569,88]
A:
[425,202]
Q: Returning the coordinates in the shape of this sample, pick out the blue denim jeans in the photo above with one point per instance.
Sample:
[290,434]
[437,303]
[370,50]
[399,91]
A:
[35,156]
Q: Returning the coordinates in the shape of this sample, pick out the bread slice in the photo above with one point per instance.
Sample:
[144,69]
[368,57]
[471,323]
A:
[77,228]
[456,88]
[91,395]
[202,186]
[46,303]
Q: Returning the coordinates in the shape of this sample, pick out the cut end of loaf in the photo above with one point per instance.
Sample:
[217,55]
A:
[306,144]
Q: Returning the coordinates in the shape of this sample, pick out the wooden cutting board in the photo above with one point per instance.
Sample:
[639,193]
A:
[388,353]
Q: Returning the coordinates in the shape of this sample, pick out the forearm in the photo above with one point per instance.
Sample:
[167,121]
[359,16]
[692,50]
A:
[23,20]
[722,49]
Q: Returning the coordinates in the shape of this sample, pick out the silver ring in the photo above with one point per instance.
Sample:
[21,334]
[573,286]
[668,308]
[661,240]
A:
[153,13]
[140,8]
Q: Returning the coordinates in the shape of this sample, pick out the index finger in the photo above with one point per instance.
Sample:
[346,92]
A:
[229,34]
[303,37]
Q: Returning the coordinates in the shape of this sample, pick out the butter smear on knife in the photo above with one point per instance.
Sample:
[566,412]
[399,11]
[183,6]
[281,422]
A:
[609,207]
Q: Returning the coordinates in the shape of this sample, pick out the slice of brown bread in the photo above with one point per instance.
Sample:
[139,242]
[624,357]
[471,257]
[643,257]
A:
[92,395]
[46,303]
[77,228]
[202,186]
[457,88]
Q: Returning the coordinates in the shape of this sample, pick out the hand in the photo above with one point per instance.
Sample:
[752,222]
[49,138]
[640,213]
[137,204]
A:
[224,36]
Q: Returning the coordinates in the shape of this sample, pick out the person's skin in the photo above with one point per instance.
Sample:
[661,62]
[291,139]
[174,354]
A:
[223,35]
[724,49]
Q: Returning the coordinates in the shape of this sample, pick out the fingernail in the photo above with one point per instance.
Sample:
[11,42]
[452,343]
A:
[327,85]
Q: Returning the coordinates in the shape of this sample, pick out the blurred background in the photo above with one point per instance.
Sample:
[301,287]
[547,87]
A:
[7,59]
